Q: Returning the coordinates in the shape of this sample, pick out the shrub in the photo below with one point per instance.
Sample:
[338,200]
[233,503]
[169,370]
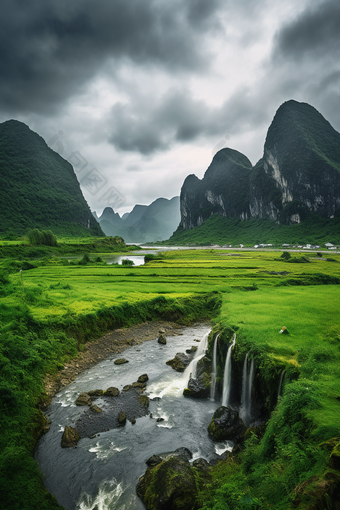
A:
[42,237]
[85,260]
[127,262]
[149,257]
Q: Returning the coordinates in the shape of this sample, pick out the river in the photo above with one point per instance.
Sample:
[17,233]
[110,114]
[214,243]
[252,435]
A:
[102,472]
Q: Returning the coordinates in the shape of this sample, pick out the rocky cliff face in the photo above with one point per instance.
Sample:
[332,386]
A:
[298,174]
[223,190]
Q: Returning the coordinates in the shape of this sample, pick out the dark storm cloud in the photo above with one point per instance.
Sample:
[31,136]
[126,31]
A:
[305,59]
[177,117]
[314,33]
[50,49]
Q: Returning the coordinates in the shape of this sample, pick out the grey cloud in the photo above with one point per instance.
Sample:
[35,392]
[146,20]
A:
[178,117]
[315,32]
[49,50]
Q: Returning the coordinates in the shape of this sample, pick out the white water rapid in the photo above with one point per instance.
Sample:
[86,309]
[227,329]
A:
[102,472]
[227,375]
[191,370]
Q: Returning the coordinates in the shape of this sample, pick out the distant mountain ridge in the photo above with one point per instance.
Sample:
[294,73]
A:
[299,174]
[145,223]
[39,188]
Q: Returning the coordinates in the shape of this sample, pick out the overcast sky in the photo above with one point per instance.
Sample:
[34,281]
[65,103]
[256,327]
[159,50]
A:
[137,93]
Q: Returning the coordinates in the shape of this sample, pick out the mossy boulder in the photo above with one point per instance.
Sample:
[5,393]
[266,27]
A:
[179,362]
[139,386]
[169,483]
[95,409]
[200,386]
[112,392]
[84,399]
[96,393]
[144,401]
[143,378]
[120,361]
[162,339]
[122,418]
[70,437]
[192,350]
[226,424]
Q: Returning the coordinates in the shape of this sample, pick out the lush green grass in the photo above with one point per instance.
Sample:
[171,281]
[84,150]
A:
[311,316]
[219,230]
[22,250]
[47,312]
[54,290]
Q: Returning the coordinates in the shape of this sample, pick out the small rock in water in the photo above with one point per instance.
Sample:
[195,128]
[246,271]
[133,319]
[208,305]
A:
[133,421]
[143,400]
[122,418]
[83,400]
[127,387]
[162,331]
[143,378]
[162,340]
[120,361]
[192,350]
[160,419]
[96,409]
[112,392]
[139,386]
[95,393]
[70,437]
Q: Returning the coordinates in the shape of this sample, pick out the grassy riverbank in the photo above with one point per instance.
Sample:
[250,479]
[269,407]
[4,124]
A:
[48,311]
[289,465]
[217,229]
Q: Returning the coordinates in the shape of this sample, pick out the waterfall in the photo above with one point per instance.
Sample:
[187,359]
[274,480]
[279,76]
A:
[280,383]
[244,378]
[214,370]
[190,371]
[247,383]
[227,375]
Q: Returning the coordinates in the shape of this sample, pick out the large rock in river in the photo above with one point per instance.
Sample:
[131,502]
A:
[226,424]
[199,387]
[179,362]
[70,437]
[169,483]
